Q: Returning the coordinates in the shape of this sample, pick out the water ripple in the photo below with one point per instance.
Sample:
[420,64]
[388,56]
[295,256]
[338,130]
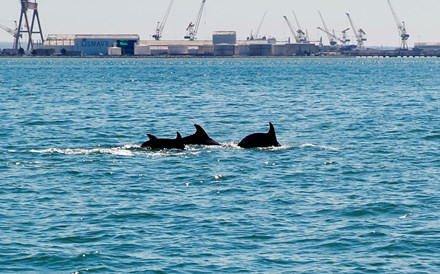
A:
[353,189]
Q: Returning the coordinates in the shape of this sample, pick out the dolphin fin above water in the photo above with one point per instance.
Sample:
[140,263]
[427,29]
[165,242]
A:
[261,139]
[156,143]
[200,137]
[152,137]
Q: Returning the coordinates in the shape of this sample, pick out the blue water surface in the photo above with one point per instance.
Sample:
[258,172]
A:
[354,188]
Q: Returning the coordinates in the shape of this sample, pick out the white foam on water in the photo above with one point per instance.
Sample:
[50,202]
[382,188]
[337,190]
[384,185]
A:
[126,150]
[235,146]
[231,145]
[70,151]
[134,150]
[320,147]
[275,148]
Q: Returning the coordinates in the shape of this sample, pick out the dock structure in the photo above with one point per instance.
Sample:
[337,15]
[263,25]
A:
[225,44]
[222,44]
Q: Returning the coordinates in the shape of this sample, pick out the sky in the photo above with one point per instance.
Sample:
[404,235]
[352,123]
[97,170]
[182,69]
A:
[141,16]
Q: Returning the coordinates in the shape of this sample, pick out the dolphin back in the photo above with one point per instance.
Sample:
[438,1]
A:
[156,143]
[261,139]
[200,137]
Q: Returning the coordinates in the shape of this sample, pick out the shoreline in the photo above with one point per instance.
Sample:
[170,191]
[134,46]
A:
[217,57]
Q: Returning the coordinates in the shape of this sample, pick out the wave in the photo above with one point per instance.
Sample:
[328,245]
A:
[306,145]
[432,137]
[135,150]
[127,150]
[233,145]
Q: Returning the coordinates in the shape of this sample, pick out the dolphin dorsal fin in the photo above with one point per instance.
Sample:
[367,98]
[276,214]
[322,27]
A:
[152,137]
[271,129]
[178,136]
[200,131]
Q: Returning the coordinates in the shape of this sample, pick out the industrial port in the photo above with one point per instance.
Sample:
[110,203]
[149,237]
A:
[29,40]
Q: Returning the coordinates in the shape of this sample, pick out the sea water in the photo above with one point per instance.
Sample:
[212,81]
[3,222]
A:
[353,189]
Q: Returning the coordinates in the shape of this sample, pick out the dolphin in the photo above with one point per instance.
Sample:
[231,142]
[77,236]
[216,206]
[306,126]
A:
[261,139]
[199,138]
[156,143]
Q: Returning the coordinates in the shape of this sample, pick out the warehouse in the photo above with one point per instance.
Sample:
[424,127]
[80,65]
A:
[427,46]
[224,37]
[94,44]
[90,44]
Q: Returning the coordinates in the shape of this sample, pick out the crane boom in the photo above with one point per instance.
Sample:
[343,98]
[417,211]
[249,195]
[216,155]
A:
[13,32]
[296,20]
[161,25]
[404,36]
[396,18]
[8,30]
[194,28]
[331,36]
[359,34]
[353,27]
[344,40]
[303,36]
[257,33]
[292,29]
[199,17]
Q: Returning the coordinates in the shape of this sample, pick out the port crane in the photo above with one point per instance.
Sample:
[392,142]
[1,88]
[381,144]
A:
[300,37]
[257,33]
[193,28]
[303,36]
[13,32]
[161,25]
[345,39]
[29,29]
[292,29]
[359,34]
[331,36]
[404,36]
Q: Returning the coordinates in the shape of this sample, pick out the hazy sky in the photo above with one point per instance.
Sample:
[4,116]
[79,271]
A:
[141,16]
